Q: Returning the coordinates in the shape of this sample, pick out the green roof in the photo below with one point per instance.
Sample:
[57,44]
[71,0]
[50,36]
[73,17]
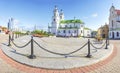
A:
[87,28]
[71,21]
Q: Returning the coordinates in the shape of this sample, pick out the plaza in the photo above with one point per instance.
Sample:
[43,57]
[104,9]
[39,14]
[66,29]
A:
[46,60]
[51,36]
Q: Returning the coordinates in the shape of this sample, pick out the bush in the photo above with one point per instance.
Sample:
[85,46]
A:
[41,33]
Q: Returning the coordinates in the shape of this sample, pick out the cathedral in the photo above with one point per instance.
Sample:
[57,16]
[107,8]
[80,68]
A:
[114,23]
[65,28]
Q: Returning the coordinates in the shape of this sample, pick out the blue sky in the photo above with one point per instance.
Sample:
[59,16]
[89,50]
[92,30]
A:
[28,13]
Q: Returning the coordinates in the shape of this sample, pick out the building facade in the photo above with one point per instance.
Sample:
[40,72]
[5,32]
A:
[114,23]
[93,34]
[87,32]
[61,27]
[103,31]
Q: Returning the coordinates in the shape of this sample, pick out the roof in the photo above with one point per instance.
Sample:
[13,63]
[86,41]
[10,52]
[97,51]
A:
[87,28]
[118,11]
[71,21]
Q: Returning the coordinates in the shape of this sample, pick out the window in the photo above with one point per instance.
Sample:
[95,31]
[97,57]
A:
[54,19]
[81,31]
[112,23]
[69,31]
[65,26]
[117,34]
[70,26]
[75,31]
[58,31]
[63,31]
[81,25]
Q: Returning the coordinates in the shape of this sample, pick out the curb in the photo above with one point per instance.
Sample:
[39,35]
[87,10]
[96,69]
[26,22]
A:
[85,69]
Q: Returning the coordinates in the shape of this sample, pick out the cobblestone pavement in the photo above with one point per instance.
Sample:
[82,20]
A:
[110,65]
[62,45]
[114,65]
[4,67]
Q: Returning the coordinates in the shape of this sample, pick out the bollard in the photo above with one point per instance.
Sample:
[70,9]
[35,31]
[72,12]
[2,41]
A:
[32,56]
[106,44]
[89,55]
[18,36]
[108,41]
[15,35]
[12,36]
[9,44]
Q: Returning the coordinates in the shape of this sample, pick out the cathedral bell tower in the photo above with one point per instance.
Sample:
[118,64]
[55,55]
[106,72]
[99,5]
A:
[61,15]
[55,21]
[111,17]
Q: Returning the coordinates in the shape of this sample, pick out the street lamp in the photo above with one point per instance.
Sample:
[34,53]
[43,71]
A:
[9,44]
[65,30]
[48,30]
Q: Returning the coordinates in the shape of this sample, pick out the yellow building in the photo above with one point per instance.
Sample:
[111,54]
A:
[103,31]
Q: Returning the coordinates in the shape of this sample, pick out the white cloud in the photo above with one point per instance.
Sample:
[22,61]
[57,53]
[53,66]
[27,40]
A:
[94,15]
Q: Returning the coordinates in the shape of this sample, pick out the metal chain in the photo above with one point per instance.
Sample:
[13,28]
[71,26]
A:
[59,53]
[94,51]
[21,46]
[98,47]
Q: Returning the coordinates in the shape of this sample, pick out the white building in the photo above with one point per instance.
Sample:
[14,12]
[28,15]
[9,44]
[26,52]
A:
[87,32]
[114,23]
[61,27]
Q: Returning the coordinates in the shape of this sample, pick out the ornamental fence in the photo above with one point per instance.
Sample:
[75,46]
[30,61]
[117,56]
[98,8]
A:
[32,41]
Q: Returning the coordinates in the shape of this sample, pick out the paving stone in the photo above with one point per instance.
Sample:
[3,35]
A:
[111,67]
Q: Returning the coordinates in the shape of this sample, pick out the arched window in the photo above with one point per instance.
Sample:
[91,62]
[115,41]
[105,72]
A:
[69,31]
[81,31]
[54,19]
[117,34]
[112,23]
[58,31]
[63,31]
[70,26]
[75,31]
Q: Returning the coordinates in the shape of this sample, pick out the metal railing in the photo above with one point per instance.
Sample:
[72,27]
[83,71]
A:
[32,41]
[60,53]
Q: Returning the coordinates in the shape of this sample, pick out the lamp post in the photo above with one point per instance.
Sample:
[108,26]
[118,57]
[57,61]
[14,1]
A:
[9,44]
[48,30]
[65,30]
[77,31]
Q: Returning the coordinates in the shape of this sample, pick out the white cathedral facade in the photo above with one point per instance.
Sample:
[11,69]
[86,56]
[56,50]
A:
[63,28]
[114,23]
